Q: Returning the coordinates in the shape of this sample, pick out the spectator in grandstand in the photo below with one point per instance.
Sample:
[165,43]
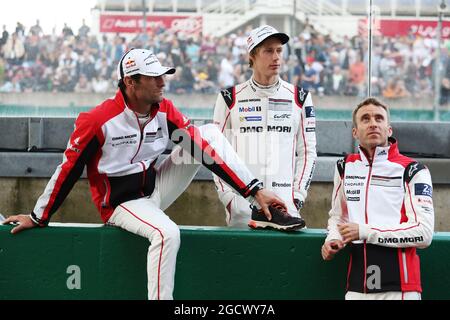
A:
[2,70]
[101,84]
[67,31]
[382,208]
[11,86]
[271,124]
[119,142]
[20,30]
[4,37]
[336,82]
[226,76]
[396,89]
[356,77]
[14,50]
[310,76]
[83,31]
[83,85]
[36,30]
[445,84]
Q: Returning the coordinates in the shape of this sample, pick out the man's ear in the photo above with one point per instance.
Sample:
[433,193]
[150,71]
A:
[389,131]
[128,81]
[354,133]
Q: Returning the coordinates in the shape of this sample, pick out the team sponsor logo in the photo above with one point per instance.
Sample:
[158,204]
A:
[354,184]
[382,153]
[279,128]
[249,100]
[251,129]
[283,184]
[250,118]
[152,59]
[355,177]
[124,137]
[130,64]
[352,192]
[76,143]
[425,201]
[132,70]
[226,94]
[353,198]
[383,181]
[310,113]
[281,117]
[285,129]
[401,240]
[308,182]
[413,169]
[124,140]
[423,189]
[301,94]
[250,109]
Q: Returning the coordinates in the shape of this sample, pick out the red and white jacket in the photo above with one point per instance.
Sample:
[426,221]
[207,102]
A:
[120,157]
[391,200]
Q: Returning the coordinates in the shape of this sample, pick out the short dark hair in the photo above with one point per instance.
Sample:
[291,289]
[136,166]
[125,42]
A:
[366,102]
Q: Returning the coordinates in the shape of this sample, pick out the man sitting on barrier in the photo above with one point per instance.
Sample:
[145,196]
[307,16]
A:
[119,141]
[382,207]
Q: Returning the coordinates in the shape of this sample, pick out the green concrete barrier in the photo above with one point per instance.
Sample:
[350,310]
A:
[67,261]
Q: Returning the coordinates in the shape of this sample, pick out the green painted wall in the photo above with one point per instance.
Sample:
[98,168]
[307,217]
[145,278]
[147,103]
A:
[213,263]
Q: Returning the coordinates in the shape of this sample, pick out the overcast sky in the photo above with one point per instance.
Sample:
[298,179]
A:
[51,13]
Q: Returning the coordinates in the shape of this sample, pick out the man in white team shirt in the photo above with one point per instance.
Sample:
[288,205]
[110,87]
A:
[271,125]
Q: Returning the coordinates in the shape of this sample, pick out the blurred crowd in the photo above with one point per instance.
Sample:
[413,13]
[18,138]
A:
[79,61]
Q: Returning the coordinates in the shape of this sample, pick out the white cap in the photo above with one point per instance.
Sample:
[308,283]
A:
[141,61]
[260,34]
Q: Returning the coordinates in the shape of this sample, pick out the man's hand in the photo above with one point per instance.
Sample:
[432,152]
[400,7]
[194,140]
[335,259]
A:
[330,248]
[349,232]
[23,222]
[265,198]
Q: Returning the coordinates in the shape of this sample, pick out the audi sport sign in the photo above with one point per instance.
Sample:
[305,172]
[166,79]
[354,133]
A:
[393,28]
[128,23]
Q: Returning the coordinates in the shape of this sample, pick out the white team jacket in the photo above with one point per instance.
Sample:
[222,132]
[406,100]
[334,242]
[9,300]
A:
[273,132]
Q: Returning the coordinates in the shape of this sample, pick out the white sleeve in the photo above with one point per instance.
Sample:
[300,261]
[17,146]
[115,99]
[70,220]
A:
[222,121]
[306,155]
[338,213]
[418,230]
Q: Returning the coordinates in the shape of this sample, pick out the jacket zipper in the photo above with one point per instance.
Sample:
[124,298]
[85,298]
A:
[366,219]
[141,132]
[144,175]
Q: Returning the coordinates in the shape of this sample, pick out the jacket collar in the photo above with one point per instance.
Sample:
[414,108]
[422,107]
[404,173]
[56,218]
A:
[381,154]
[120,101]
[264,92]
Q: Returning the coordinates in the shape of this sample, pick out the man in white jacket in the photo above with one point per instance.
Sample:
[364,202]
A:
[382,207]
[271,125]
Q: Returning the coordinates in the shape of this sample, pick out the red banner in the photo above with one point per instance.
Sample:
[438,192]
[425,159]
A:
[394,28]
[124,23]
